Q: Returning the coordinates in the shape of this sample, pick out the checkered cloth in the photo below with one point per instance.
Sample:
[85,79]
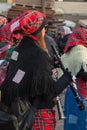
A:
[27,22]
[45,120]
[79,37]
[82,87]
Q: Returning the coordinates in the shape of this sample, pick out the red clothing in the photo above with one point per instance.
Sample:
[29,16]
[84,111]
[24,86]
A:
[79,37]
[28,22]
[45,120]
[82,87]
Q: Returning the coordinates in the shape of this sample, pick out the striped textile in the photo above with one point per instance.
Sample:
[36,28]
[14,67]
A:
[45,120]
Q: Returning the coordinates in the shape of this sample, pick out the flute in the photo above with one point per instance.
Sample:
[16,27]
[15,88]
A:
[58,99]
[73,85]
[60,109]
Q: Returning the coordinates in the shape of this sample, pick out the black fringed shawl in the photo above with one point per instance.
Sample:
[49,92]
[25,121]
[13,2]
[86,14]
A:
[37,79]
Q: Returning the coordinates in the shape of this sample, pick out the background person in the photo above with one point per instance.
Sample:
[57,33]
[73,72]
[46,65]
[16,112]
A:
[75,59]
[63,33]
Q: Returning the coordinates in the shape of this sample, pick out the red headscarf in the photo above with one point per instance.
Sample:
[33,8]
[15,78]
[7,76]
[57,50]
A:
[79,37]
[28,22]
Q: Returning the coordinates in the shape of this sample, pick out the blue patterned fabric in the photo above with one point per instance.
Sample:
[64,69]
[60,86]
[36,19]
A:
[75,119]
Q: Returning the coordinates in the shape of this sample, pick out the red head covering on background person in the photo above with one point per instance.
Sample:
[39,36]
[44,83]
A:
[75,58]
[29,22]
[79,37]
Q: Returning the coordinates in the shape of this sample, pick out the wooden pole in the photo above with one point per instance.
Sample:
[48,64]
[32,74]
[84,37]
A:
[43,3]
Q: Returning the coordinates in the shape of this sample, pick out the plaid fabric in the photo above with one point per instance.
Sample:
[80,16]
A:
[28,22]
[45,120]
[6,35]
[82,87]
[79,37]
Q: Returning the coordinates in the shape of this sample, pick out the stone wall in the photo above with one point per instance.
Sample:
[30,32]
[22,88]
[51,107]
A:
[71,7]
[71,11]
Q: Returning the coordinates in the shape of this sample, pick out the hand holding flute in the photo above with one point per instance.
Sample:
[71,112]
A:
[74,91]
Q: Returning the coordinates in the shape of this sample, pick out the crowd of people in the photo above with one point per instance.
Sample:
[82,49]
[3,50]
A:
[31,70]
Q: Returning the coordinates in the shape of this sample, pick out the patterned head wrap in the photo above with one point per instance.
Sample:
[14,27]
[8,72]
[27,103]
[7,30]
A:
[79,37]
[29,22]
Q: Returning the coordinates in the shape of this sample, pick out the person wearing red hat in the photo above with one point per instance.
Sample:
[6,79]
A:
[29,73]
[75,59]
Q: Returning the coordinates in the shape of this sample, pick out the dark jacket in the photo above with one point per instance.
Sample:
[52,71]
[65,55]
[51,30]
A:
[29,75]
[61,43]
[50,41]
